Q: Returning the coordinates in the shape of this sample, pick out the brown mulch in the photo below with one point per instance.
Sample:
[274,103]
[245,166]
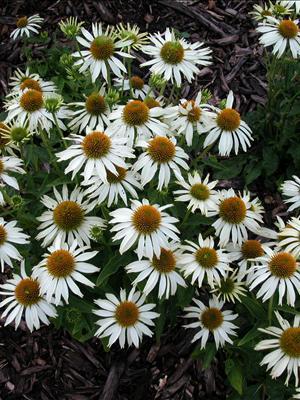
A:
[224,25]
[48,364]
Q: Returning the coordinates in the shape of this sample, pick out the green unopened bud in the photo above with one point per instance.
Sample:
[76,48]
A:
[70,27]
[19,134]
[206,96]
[222,104]
[112,96]
[17,201]
[96,233]
[73,316]
[157,81]
[66,60]
[53,103]
[279,10]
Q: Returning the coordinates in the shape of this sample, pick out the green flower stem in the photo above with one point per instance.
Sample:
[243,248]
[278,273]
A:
[6,197]
[162,89]
[270,310]
[186,217]
[49,150]
[59,130]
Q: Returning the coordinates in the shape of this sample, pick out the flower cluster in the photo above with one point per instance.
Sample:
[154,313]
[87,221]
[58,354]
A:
[119,173]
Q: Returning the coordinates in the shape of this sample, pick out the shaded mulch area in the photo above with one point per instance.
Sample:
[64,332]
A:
[48,364]
[224,25]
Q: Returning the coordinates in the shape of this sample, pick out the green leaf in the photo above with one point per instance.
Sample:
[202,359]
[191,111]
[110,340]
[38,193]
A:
[234,375]
[250,335]
[206,355]
[111,267]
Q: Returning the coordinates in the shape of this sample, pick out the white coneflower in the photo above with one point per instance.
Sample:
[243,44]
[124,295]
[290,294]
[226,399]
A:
[101,52]
[276,271]
[26,26]
[286,345]
[291,189]
[159,271]
[61,268]
[289,237]
[24,297]
[162,155]
[175,57]
[211,319]
[136,84]
[21,81]
[136,120]
[29,105]
[203,260]
[229,129]
[282,34]
[66,218]
[297,395]
[7,165]
[97,152]
[199,193]
[14,133]
[115,187]
[92,112]
[291,3]
[54,104]
[132,32]
[10,234]
[246,254]
[189,117]
[70,27]
[235,216]
[261,12]
[145,223]
[126,320]
[230,288]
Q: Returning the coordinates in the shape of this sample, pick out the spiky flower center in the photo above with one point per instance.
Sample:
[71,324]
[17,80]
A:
[137,82]
[227,286]
[18,134]
[112,178]
[96,144]
[194,114]
[212,318]
[200,191]
[1,166]
[27,292]
[102,47]
[290,342]
[146,219]
[233,210]
[266,13]
[3,139]
[207,257]
[165,263]
[228,119]
[172,52]
[288,29]
[135,113]
[161,149]
[29,83]
[68,215]
[283,265]
[22,22]
[151,102]
[252,249]
[95,104]
[3,234]
[60,263]
[31,100]
[127,314]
